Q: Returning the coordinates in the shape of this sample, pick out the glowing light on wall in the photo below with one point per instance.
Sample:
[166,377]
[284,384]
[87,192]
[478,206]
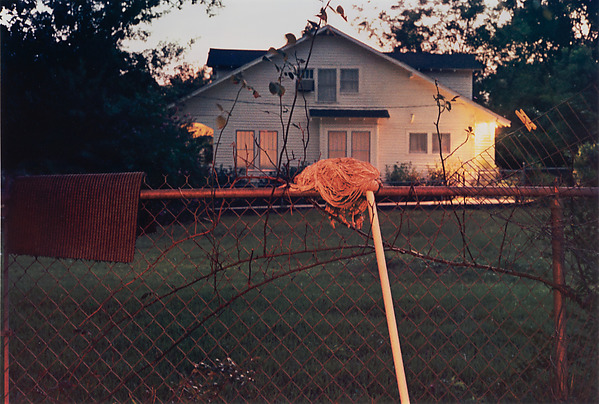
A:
[484,133]
[199,129]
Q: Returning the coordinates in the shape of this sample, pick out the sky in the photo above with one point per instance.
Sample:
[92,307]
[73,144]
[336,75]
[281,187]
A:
[252,24]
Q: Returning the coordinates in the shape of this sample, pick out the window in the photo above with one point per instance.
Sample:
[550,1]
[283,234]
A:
[245,149]
[445,143]
[327,85]
[268,149]
[418,143]
[360,145]
[349,81]
[308,74]
[305,83]
[337,144]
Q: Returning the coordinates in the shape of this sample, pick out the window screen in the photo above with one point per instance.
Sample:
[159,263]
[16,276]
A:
[268,149]
[360,145]
[349,82]
[445,143]
[327,85]
[337,144]
[245,148]
[418,143]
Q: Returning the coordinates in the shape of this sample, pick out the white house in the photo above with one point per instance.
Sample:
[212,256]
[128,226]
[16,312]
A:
[351,100]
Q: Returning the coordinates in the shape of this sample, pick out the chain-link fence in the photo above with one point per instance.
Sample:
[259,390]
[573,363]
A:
[255,294]
[258,297]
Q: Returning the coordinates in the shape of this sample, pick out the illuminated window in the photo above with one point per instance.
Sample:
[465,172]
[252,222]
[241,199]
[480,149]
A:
[337,144]
[360,145]
[268,149]
[418,143]
[245,149]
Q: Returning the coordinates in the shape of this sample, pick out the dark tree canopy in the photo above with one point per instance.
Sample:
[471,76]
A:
[536,53]
[74,101]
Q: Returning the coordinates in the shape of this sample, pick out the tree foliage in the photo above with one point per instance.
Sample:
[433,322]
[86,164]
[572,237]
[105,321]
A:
[74,101]
[536,52]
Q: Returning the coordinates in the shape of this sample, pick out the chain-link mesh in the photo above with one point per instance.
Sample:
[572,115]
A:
[253,295]
[264,300]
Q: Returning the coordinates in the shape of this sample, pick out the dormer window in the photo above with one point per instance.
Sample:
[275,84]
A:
[349,81]
[327,85]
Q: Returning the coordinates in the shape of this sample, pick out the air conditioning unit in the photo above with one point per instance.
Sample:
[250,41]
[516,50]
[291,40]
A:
[306,85]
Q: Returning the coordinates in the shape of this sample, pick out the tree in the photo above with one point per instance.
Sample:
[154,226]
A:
[74,101]
[553,42]
[536,53]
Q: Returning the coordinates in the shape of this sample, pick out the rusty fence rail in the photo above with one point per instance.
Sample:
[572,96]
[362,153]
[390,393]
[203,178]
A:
[257,295]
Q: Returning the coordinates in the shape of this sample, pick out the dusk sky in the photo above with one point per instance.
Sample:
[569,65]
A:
[252,24]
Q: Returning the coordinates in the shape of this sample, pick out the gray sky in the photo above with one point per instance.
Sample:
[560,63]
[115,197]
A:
[251,24]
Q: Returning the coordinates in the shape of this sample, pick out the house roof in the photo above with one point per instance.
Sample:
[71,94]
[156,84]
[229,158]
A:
[231,58]
[349,113]
[234,58]
[330,30]
[433,61]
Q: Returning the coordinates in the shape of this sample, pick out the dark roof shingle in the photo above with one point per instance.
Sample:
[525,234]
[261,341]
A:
[234,58]
[231,58]
[434,61]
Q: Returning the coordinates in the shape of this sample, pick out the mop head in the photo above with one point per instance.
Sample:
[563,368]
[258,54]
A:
[342,183]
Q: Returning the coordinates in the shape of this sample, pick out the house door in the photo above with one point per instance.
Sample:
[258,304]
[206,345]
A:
[349,143]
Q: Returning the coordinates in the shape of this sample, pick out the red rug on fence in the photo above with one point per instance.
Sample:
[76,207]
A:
[87,216]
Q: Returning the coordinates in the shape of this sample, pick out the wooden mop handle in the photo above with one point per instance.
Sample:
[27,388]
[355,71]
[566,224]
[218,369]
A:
[387,299]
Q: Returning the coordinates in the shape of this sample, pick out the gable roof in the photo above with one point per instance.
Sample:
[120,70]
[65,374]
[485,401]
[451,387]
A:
[330,30]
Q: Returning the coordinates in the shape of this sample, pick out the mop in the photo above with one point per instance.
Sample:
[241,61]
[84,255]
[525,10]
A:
[347,185]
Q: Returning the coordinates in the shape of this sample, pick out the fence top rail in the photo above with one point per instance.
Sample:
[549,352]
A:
[413,191]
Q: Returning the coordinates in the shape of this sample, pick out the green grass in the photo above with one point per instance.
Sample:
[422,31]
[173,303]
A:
[314,330]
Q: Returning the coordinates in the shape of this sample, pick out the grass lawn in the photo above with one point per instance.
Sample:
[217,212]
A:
[296,306]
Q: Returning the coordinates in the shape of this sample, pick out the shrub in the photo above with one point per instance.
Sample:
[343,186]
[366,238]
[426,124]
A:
[402,174]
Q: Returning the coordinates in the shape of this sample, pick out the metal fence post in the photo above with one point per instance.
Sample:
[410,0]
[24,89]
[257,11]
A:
[559,303]
[5,333]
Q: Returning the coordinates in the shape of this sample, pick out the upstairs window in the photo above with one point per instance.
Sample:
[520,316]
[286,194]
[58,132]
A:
[349,81]
[418,143]
[245,149]
[327,85]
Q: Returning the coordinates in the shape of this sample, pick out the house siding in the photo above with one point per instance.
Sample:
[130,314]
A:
[458,80]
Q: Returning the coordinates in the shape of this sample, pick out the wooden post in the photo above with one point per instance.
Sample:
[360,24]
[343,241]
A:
[388,300]
[559,303]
